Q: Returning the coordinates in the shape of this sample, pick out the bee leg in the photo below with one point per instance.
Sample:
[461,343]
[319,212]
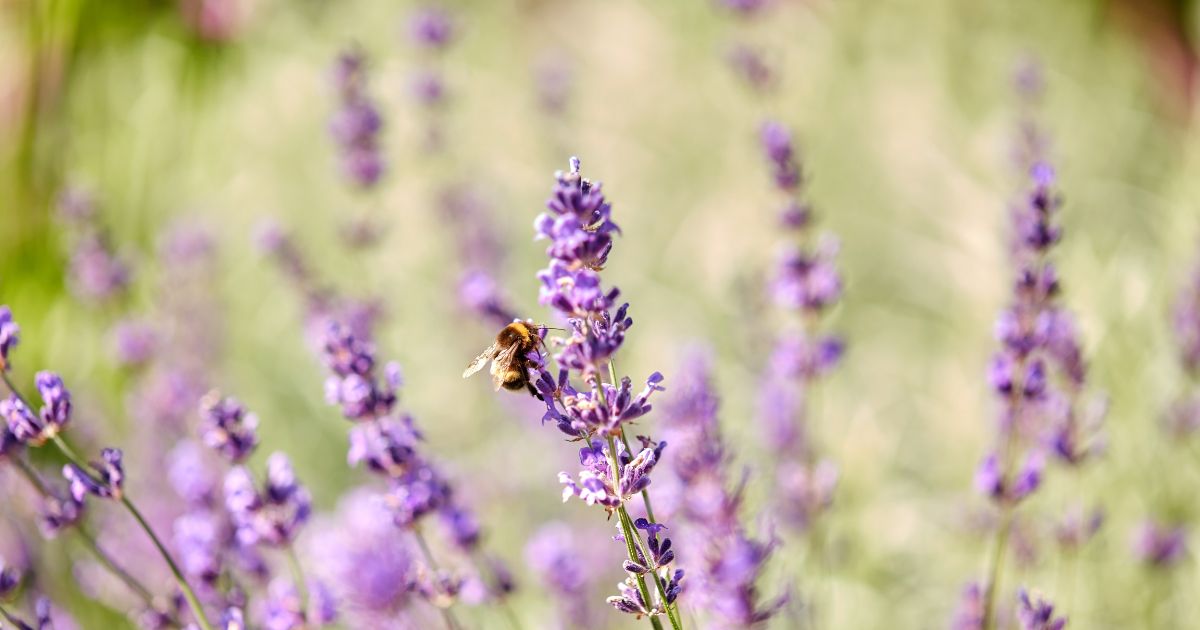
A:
[533,390]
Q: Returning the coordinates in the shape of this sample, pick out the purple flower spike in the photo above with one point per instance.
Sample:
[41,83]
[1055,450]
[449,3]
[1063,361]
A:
[357,125]
[227,428]
[10,336]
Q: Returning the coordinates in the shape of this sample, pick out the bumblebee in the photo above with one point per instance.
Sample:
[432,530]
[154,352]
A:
[509,355]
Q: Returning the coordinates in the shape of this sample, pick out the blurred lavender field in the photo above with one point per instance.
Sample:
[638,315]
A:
[915,284]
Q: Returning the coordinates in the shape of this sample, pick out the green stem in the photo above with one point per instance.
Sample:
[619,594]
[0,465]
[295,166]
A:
[69,453]
[89,540]
[447,615]
[995,569]
[188,593]
[630,536]
[298,576]
[672,613]
[12,620]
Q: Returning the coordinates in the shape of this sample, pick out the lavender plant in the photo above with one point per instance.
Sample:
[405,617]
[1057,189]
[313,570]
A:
[104,479]
[728,561]
[431,31]
[807,284]
[1039,375]
[580,231]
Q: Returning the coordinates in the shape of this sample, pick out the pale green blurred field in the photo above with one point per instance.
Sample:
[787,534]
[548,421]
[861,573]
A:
[904,110]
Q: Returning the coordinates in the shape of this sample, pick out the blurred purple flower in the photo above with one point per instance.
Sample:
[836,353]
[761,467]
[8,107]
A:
[1158,545]
[271,517]
[227,428]
[10,336]
[1037,613]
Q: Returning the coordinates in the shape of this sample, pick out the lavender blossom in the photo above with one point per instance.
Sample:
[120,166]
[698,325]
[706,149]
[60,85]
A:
[57,511]
[431,28]
[730,562]
[781,153]
[554,554]
[10,579]
[1158,545]
[580,231]
[134,342]
[273,516]
[1037,613]
[10,336]
[750,66]
[807,284]
[366,560]
[95,271]
[227,428]
[356,126]
[970,612]
[107,479]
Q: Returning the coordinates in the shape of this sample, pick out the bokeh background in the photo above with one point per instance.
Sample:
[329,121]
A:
[905,112]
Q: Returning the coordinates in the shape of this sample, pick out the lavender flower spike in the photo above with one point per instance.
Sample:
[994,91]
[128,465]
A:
[579,227]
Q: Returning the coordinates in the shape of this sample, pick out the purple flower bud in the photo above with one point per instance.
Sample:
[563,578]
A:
[56,410]
[10,579]
[22,424]
[750,66]
[777,144]
[134,342]
[630,600]
[461,527]
[1158,545]
[10,336]
[273,517]
[227,428]
[431,28]
[58,511]
[969,615]
[1037,614]
[107,479]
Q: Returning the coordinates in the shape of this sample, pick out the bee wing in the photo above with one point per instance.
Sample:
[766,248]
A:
[501,364]
[480,361]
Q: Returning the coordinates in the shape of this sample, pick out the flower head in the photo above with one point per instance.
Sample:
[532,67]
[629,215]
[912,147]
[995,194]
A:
[107,479]
[1037,613]
[227,428]
[273,516]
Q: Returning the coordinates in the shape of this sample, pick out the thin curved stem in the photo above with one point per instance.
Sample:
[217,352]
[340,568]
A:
[447,614]
[69,453]
[89,541]
[298,576]
[630,535]
[21,625]
[188,593]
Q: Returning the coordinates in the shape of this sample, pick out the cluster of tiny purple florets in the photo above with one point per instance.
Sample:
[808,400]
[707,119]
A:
[357,124]
[580,231]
